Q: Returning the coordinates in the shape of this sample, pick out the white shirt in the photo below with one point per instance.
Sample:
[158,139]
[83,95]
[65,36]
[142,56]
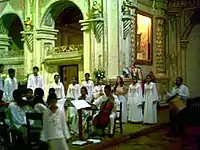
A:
[1,82]
[182,90]
[40,108]
[97,90]
[9,86]
[73,91]
[59,89]
[54,125]
[104,98]
[90,87]
[35,82]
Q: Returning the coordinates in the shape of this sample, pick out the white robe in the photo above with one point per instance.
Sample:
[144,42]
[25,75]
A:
[73,92]
[60,93]
[135,101]
[35,82]
[9,86]
[1,82]
[122,99]
[150,99]
[55,129]
[90,87]
[97,90]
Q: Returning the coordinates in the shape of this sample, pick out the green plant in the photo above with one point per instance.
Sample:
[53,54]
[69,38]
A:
[99,73]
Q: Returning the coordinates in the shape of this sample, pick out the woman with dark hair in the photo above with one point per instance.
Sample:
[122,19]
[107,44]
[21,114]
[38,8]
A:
[99,88]
[135,101]
[120,92]
[150,99]
[38,102]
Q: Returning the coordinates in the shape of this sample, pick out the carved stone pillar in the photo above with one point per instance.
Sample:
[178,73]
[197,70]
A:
[87,46]
[184,44]
[160,47]
[4,44]
[129,32]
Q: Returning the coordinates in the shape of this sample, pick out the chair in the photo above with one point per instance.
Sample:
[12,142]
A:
[34,131]
[119,118]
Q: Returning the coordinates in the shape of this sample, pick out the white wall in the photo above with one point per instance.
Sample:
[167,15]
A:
[193,62]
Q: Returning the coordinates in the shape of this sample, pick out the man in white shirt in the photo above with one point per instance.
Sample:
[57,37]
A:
[177,119]
[35,80]
[10,84]
[89,84]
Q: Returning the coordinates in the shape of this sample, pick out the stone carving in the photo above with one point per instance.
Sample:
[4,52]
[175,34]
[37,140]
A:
[127,17]
[28,24]
[133,40]
[160,61]
[49,20]
[2,28]
[28,38]
[96,11]
[62,49]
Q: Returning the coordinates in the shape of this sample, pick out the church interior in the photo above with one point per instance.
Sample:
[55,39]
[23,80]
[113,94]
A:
[110,40]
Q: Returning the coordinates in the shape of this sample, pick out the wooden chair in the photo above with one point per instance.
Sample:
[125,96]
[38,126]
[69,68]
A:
[34,131]
[118,120]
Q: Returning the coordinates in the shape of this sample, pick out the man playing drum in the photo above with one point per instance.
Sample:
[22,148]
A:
[178,99]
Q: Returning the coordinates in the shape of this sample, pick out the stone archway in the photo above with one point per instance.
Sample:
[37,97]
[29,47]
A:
[63,42]
[11,44]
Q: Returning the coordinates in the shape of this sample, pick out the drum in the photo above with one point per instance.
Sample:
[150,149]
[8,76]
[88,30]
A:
[176,103]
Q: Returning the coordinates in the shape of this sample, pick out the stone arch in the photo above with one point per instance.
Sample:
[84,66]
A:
[11,27]
[54,9]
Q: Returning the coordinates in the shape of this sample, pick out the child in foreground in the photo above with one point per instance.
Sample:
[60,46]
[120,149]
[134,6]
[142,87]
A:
[56,131]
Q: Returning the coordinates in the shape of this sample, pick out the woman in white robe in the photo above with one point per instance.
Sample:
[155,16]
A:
[59,91]
[99,89]
[150,99]
[135,101]
[120,92]
[73,93]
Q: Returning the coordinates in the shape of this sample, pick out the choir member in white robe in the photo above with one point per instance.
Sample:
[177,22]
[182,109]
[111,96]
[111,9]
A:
[98,89]
[151,99]
[35,80]
[89,84]
[55,128]
[1,76]
[59,91]
[120,92]
[73,93]
[135,101]
[10,84]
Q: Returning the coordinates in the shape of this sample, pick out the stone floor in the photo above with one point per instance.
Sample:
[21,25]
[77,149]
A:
[127,129]
[153,141]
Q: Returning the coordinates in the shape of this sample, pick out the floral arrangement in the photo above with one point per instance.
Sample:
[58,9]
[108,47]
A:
[99,73]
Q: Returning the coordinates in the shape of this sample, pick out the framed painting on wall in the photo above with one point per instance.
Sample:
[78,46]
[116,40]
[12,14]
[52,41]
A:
[144,39]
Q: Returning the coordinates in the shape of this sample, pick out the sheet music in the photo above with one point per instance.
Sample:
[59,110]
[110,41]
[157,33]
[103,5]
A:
[79,142]
[94,140]
[80,104]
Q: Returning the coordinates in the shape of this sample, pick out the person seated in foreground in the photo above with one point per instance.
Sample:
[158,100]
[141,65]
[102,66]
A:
[3,105]
[106,116]
[38,102]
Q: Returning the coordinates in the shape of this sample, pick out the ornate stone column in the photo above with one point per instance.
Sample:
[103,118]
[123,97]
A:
[4,44]
[184,44]
[129,32]
[87,45]
[160,64]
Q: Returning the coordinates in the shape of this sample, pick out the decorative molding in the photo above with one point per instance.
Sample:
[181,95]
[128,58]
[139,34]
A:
[12,61]
[46,33]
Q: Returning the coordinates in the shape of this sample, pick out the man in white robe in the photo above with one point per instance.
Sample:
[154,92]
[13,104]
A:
[59,91]
[89,84]
[10,84]
[35,80]
[98,102]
